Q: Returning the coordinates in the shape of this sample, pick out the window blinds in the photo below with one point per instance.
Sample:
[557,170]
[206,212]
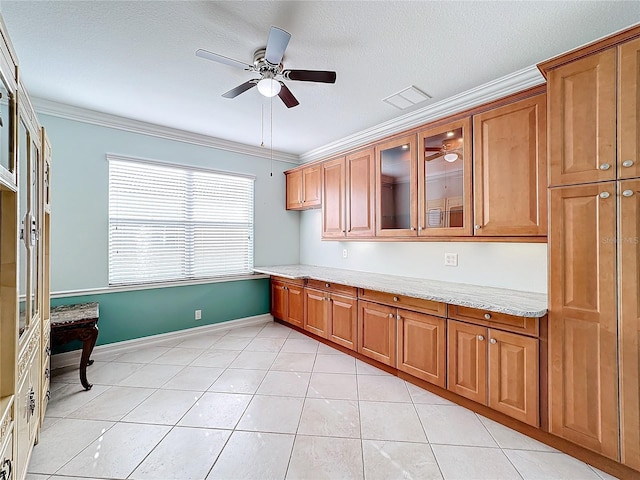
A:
[170,223]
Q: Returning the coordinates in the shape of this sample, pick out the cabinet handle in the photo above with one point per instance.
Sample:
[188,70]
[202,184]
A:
[391,315]
[420,228]
[627,193]
[395,299]
[487,316]
[604,166]
[327,285]
[47,373]
[7,467]
[605,195]
[31,405]
[627,163]
[48,395]
[413,229]
[48,351]
[477,227]
[493,341]
[480,338]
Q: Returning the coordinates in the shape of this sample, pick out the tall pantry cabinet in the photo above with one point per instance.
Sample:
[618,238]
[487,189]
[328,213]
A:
[25,161]
[594,242]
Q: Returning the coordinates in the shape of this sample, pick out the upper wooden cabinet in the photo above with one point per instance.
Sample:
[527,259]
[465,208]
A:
[594,119]
[509,169]
[396,188]
[304,188]
[333,193]
[444,180]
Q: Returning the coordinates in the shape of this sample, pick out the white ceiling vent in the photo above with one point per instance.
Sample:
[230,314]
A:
[406,98]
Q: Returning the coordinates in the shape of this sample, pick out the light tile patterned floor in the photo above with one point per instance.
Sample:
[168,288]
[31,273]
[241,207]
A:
[266,402]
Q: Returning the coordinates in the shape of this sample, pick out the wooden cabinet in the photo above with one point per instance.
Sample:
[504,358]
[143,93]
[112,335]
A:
[360,192]
[304,188]
[422,346]
[444,180]
[287,301]
[510,169]
[582,120]
[629,109]
[377,332]
[396,188]
[582,316]
[331,312]
[333,193]
[495,368]
[629,325]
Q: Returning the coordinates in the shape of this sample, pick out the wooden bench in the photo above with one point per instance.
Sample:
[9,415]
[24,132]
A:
[76,322]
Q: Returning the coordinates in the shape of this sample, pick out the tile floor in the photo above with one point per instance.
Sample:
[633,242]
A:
[266,402]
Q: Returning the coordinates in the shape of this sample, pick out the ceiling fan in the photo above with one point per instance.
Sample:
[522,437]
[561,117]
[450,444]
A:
[451,150]
[267,62]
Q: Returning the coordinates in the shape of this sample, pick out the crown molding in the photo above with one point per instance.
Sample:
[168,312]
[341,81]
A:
[70,112]
[515,82]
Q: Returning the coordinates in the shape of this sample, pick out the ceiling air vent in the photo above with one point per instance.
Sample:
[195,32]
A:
[406,98]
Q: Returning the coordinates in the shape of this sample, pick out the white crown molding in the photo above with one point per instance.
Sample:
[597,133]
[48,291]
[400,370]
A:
[70,112]
[515,82]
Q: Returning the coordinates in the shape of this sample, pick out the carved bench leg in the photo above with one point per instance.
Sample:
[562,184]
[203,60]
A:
[88,337]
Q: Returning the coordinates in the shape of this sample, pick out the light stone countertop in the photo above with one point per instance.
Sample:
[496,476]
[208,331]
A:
[500,300]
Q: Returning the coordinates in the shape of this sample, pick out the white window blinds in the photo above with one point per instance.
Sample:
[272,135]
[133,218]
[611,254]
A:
[169,223]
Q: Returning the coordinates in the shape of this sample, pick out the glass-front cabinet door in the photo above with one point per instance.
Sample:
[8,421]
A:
[444,180]
[396,213]
[7,163]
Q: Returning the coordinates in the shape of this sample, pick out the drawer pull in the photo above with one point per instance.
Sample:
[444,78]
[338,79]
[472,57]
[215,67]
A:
[487,316]
[480,338]
[7,467]
[493,341]
[627,163]
[395,299]
[327,285]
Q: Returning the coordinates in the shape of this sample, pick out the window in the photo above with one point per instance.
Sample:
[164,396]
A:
[169,223]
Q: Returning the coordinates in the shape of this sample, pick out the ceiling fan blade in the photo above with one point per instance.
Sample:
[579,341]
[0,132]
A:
[433,157]
[321,76]
[276,45]
[287,97]
[234,92]
[222,59]
[432,149]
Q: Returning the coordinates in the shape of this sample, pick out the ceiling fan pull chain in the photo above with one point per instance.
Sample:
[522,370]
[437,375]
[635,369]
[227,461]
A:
[271,125]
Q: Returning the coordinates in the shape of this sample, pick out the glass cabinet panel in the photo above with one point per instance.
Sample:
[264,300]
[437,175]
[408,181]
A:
[24,283]
[395,187]
[444,185]
[34,227]
[6,162]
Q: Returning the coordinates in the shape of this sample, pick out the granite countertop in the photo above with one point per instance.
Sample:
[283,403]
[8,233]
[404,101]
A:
[500,300]
[74,313]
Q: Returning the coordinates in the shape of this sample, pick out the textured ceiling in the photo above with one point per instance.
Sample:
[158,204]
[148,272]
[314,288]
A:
[137,59]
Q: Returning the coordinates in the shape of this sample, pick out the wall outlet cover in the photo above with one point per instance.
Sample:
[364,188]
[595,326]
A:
[451,259]
[198,315]
[345,253]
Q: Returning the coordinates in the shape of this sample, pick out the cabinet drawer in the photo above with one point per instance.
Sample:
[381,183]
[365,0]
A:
[293,281]
[332,287]
[417,304]
[502,321]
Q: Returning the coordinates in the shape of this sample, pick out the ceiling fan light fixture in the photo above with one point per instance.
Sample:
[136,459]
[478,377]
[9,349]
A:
[269,87]
[450,157]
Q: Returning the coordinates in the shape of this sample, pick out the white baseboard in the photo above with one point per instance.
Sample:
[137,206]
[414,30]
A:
[67,359]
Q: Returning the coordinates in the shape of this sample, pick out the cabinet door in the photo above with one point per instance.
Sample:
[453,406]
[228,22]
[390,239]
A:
[315,306]
[311,186]
[396,201]
[582,120]
[629,109]
[444,179]
[343,321]
[513,376]
[295,305]
[333,206]
[360,194]
[510,169]
[422,344]
[279,300]
[629,293]
[467,354]
[294,190]
[583,374]
[377,332]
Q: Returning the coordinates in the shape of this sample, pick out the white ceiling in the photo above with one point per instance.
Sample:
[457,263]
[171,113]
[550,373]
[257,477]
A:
[136,59]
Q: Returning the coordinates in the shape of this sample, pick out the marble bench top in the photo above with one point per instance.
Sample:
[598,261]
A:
[500,300]
[74,313]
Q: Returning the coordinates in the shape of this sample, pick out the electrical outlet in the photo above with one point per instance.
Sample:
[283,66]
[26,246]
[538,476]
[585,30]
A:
[451,259]
[198,314]
[345,254]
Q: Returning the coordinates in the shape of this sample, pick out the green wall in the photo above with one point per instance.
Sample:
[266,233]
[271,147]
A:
[140,313]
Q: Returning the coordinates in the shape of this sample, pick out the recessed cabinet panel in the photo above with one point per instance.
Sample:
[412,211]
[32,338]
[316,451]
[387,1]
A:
[295,305]
[333,206]
[360,194]
[294,190]
[344,321]
[444,180]
[377,332]
[629,109]
[396,188]
[311,186]
[467,366]
[629,291]
[422,344]
[278,300]
[315,306]
[582,120]
[582,316]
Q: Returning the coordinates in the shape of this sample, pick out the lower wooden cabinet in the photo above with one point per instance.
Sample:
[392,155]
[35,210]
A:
[377,332]
[317,318]
[27,410]
[343,321]
[287,302]
[422,343]
[495,368]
